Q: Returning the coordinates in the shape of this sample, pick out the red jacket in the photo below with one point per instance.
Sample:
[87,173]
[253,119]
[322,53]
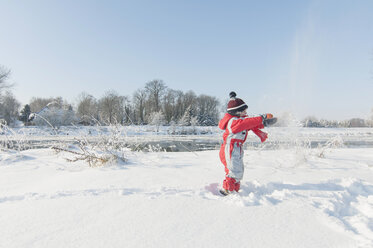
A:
[236,129]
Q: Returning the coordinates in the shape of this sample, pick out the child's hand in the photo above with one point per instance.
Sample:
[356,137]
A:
[268,119]
[267,116]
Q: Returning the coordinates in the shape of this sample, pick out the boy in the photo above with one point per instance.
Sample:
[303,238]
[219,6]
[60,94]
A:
[236,124]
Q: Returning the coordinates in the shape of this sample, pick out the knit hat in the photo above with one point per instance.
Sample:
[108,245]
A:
[235,105]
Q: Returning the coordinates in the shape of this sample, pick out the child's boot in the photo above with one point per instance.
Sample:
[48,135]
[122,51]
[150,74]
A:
[229,185]
[237,186]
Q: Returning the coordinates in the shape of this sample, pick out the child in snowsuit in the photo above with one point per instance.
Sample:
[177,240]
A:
[236,124]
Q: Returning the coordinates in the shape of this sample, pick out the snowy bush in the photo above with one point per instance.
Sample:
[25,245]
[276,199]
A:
[108,148]
[11,139]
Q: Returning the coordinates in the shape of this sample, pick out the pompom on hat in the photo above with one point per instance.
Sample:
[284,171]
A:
[235,105]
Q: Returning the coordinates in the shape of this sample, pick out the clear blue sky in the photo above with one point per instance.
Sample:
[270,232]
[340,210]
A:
[306,57]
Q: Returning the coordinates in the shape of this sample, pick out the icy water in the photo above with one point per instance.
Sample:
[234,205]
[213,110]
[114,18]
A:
[199,139]
[190,143]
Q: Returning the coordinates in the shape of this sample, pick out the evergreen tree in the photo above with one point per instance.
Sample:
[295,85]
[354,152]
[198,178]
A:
[25,114]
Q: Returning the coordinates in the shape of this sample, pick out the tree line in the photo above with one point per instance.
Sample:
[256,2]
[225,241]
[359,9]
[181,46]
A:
[155,104]
[286,119]
[312,121]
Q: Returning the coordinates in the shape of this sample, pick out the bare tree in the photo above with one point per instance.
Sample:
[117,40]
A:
[179,105]
[169,105]
[128,117]
[155,90]
[189,99]
[4,76]
[111,108]
[139,100]
[9,107]
[87,109]
[38,103]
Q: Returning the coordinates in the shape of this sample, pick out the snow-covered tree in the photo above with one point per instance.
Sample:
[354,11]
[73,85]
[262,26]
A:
[157,119]
[55,116]
[194,121]
[172,129]
[186,120]
[129,114]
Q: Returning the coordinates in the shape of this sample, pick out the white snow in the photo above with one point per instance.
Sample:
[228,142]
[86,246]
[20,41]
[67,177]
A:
[289,198]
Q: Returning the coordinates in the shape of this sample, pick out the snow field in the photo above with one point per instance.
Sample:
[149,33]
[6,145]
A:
[289,198]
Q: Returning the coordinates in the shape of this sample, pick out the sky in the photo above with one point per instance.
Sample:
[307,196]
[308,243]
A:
[308,58]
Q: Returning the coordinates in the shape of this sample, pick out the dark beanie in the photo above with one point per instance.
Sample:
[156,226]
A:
[235,105]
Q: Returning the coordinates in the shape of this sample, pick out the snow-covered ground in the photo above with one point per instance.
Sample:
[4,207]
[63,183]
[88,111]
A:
[294,197]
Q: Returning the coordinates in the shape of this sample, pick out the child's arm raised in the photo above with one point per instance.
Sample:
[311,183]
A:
[239,125]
